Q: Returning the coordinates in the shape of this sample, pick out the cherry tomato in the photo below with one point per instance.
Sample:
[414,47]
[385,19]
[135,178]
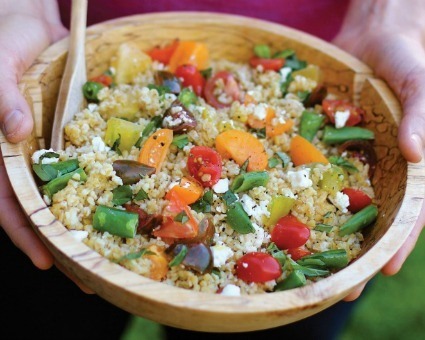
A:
[258,267]
[163,54]
[297,253]
[191,78]
[358,199]
[231,88]
[290,233]
[104,79]
[267,64]
[204,164]
[332,106]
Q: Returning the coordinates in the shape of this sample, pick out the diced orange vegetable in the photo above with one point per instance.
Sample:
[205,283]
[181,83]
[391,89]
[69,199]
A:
[163,54]
[189,190]
[240,146]
[189,52]
[273,130]
[155,149]
[249,100]
[159,263]
[303,152]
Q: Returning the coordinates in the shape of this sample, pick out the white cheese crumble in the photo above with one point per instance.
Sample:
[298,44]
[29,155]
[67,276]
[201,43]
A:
[341,118]
[252,242]
[221,254]
[284,73]
[92,107]
[79,235]
[221,186]
[341,201]
[257,210]
[300,179]
[231,290]
[288,193]
[37,154]
[99,145]
[170,121]
[260,111]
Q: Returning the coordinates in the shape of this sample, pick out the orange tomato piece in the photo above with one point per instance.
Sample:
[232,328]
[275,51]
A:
[163,54]
[273,130]
[159,263]
[155,149]
[303,152]
[240,146]
[189,190]
[189,52]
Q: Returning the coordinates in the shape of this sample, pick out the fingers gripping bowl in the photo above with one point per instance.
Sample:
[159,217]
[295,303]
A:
[231,38]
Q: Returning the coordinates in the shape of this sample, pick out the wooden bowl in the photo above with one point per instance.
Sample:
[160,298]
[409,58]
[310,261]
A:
[398,188]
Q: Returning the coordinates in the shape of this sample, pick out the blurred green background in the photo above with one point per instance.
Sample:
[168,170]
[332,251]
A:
[392,308]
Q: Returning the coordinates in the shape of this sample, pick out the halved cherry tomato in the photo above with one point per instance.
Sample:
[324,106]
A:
[330,107]
[297,253]
[163,54]
[191,77]
[172,229]
[358,199]
[267,64]
[204,164]
[231,88]
[290,233]
[258,267]
[188,189]
[104,79]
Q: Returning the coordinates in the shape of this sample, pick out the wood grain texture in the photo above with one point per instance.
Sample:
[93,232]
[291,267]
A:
[400,187]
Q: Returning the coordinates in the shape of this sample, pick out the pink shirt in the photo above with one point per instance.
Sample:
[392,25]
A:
[322,18]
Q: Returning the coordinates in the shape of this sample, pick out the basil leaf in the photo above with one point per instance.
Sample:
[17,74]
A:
[180,141]
[343,163]
[121,195]
[229,197]
[141,195]
[139,143]
[152,125]
[261,133]
[262,51]
[187,97]
[134,256]
[180,256]
[115,146]
[285,85]
[161,89]
[278,254]
[273,162]
[307,271]
[284,158]
[294,63]
[207,73]
[181,217]
[303,95]
[244,166]
[323,227]
[284,54]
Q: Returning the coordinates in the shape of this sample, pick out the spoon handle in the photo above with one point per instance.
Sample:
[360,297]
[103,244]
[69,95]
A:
[70,97]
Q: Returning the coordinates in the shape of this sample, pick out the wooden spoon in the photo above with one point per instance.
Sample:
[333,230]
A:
[70,98]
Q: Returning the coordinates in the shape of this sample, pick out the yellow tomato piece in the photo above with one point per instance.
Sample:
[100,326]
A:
[128,133]
[155,148]
[240,146]
[159,263]
[275,128]
[312,72]
[279,207]
[189,52]
[333,180]
[129,62]
[303,152]
[188,190]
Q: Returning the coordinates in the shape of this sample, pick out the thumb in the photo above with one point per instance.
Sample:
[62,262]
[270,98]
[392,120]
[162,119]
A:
[16,120]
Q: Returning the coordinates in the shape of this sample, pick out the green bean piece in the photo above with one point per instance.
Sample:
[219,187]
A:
[294,280]
[278,254]
[115,221]
[182,251]
[359,220]
[61,182]
[332,259]
[249,180]
[333,135]
[238,219]
[91,90]
[310,123]
[308,271]
[47,172]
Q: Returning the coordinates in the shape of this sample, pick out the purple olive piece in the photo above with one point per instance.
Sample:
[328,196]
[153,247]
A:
[165,78]
[131,171]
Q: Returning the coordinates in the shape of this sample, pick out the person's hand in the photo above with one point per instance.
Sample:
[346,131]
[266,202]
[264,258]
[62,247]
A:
[27,27]
[389,36]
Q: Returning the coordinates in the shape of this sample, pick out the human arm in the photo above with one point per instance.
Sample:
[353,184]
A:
[389,35]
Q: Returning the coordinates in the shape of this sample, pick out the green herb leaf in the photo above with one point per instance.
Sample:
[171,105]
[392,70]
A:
[161,89]
[187,97]
[134,256]
[180,141]
[48,154]
[308,271]
[180,256]
[181,217]
[152,125]
[47,172]
[303,95]
[261,133]
[216,272]
[277,253]
[327,214]
[294,63]
[204,203]
[115,146]
[207,73]
[323,227]
[244,166]
[343,163]
[284,158]
[273,162]
[139,142]
[262,51]
[238,219]
[229,197]
[121,195]
[141,195]
[285,85]
[249,180]
[284,54]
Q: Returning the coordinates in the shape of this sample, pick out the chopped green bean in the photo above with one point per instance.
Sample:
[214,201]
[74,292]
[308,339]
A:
[91,90]
[47,172]
[333,135]
[249,180]
[238,219]
[359,220]
[332,259]
[61,182]
[294,280]
[310,123]
[308,271]
[229,197]
[278,254]
[115,221]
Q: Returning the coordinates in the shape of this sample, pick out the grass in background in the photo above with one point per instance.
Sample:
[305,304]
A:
[393,307]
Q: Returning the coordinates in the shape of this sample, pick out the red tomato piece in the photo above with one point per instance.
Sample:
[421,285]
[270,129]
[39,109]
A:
[104,79]
[191,78]
[267,64]
[204,164]
[332,106]
[231,88]
[290,233]
[297,253]
[358,199]
[163,54]
[258,267]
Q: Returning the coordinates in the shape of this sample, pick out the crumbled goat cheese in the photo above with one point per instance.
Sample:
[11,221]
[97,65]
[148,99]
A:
[99,145]
[176,109]
[260,111]
[288,193]
[252,242]
[92,107]
[221,254]
[284,73]
[254,209]
[341,201]
[341,118]
[79,235]
[300,179]
[231,290]
[37,154]
[221,186]
[170,121]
